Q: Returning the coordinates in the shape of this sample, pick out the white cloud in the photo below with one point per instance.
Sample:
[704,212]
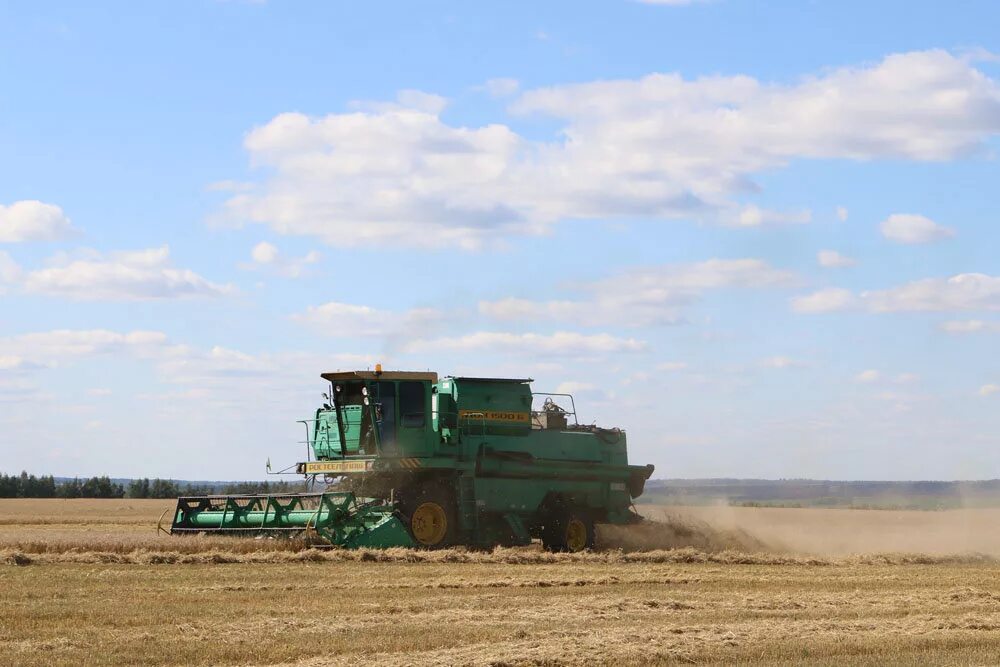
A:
[10,272]
[264,253]
[175,363]
[842,213]
[48,348]
[562,343]
[966,291]
[831,259]
[913,229]
[671,366]
[656,147]
[350,320]
[824,301]
[121,276]
[575,387]
[970,326]
[13,363]
[188,365]
[781,362]
[754,216]
[32,220]
[643,296]
[502,87]
[267,256]
[869,375]
[989,389]
[344,319]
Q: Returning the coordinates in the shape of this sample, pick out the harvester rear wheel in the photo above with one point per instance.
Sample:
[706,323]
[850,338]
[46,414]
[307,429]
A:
[571,531]
[432,518]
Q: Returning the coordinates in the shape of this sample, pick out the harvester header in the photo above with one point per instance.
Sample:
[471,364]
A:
[409,459]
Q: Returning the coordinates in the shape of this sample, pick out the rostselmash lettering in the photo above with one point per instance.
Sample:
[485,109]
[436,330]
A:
[337,466]
[496,416]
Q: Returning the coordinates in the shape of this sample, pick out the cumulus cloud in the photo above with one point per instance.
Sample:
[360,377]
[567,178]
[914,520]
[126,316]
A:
[970,326]
[49,348]
[643,296]
[120,276]
[831,259]
[842,213]
[213,367]
[350,320]
[754,216]
[869,375]
[502,87]
[657,147]
[575,388]
[989,389]
[780,362]
[913,229]
[266,256]
[561,343]
[964,292]
[824,301]
[10,271]
[31,220]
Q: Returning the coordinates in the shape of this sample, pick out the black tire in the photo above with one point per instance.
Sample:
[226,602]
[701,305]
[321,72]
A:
[430,516]
[570,530]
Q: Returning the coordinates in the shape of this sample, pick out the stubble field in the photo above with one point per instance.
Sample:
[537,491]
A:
[89,582]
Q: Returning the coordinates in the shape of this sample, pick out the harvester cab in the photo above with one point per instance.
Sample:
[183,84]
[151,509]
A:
[409,459]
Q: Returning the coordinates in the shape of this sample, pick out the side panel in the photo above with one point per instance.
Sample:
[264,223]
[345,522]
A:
[609,500]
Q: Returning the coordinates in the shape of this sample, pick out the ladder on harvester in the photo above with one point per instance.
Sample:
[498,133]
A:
[468,511]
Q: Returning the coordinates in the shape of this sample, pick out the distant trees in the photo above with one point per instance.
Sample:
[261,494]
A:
[247,488]
[95,487]
[27,486]
[30,486]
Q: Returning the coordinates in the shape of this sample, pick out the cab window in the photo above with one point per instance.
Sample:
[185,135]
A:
[412,404]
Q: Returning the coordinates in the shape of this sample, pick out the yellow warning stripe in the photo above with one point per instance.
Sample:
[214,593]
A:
[411,464]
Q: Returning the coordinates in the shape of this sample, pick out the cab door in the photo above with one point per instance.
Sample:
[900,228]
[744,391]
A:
[414,417]
[385,398]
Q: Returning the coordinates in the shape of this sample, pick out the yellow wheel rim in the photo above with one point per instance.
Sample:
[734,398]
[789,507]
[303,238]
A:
[576,535]
[429,524]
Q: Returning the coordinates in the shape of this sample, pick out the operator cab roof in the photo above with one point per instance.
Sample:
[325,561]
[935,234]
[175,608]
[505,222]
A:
[344,376]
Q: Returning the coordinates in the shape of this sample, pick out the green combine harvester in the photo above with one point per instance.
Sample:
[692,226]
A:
[411,460]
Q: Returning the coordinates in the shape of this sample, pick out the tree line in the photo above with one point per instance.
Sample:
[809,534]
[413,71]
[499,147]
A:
[46,486]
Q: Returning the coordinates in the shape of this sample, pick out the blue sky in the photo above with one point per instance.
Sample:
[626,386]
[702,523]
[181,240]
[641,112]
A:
[759,236]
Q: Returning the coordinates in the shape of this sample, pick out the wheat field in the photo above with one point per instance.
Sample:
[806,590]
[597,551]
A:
[90,582]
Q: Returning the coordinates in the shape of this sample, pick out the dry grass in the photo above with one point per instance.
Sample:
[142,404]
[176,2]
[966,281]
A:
[110,592]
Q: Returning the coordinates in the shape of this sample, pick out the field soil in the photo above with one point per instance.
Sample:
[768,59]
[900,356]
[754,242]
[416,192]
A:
[90,582]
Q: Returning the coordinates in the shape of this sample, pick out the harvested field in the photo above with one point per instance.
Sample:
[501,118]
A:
[109,591]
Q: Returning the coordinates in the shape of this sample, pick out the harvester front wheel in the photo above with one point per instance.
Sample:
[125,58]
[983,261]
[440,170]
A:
[572,531]
[432,519]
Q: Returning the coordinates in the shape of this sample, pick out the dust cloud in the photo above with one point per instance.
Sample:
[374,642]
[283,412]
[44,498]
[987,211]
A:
[821,532]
